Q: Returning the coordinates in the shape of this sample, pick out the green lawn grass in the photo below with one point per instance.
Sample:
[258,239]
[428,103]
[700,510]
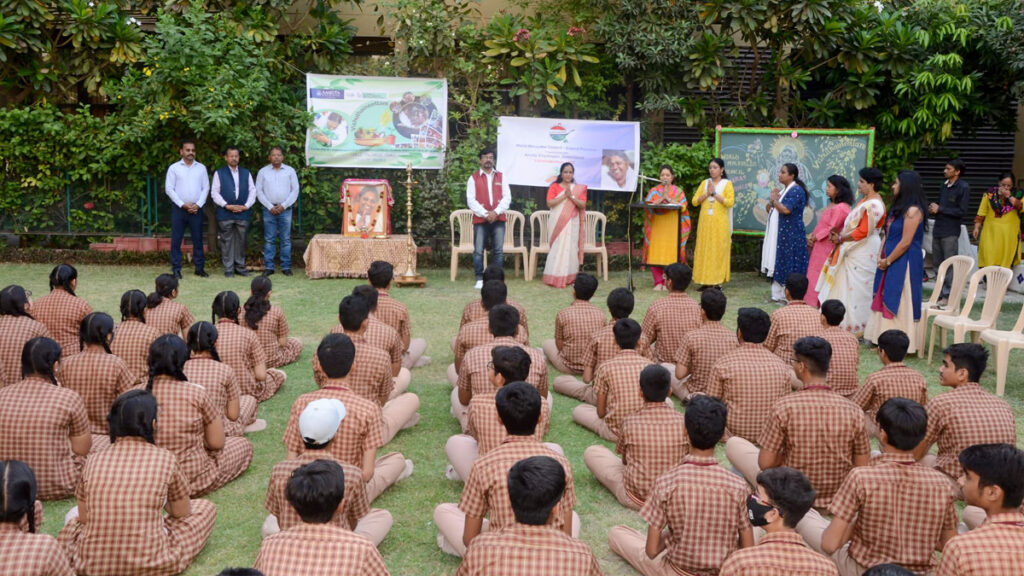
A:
[311,308]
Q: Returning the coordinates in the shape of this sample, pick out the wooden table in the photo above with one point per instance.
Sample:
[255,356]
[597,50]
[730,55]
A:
[337,256]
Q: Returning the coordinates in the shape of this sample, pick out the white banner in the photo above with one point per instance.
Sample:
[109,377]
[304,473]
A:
[605,154]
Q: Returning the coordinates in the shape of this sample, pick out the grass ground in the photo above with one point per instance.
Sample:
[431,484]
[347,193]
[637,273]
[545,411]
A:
[311,308]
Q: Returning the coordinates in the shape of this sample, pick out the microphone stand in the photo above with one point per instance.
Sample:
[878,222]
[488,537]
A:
[629,230]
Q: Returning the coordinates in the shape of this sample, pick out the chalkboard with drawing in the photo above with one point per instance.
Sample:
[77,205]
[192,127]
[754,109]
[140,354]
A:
[753,157]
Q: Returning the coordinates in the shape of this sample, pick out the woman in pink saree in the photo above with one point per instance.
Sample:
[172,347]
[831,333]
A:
[567,201]
[831,221]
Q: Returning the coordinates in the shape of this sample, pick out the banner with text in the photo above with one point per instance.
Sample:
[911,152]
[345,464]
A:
[604,154]
[373,122]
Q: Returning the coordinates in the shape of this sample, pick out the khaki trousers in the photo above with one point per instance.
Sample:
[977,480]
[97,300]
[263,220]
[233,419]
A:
[417,346]
[569,386]
[398,413]
[631,545]
[401,383]
[586,415]
[609,469]
[551,353]
[742,454]
[374,526]
[386,471]
[451,525]
[453,375]
[463,450]
[459,411]
[675,383]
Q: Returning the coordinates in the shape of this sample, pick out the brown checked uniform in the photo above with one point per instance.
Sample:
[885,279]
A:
[842,369]
[474,373]
[701,349]
[996,548]
[379,335]
[62,314]
[131,343]
[484,424]
[818,432]
[170,317]
[269,329]
[37,421]
[185,411]
[319,549]
[619,380]
[522,550]
[899,510]
[478,333]
[357,504]
[394,314]
[574,327]
[778,554]
[603,347]
[239,348]
[218,379]
[651,442]
[475,311]
[896,380]
[486,491]
[370,376]
[125,488]
[666,322]
[750,379]
[965,416]
[26,554]
[361,430]
[790,323]
[99,378]
[16,331]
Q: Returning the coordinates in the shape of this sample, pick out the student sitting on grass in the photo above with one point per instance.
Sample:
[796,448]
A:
[62,310]
[700,349]
[842,371]
[133,336]
[18,327]
[894,380]
[395,314]
[240,348]
[205,368]
[270,325]
[477,332]
[22,549]
[574,326]
[162,312]
[793,321]
[475,310]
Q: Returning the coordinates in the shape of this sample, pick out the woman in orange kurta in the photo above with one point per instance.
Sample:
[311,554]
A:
[567,201]
[662,226]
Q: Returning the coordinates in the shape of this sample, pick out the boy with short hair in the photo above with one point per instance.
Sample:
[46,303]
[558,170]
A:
[380,335]
[842,372]
[574,326]
[895,379]
[993,479]
[967,414]
[893,510]
[794,320]
[316,546]
[531,546]
[616,386]
[670,318]
[701,349]
[652,442]
[475,310]
[477,332]
[784,496]
[395,314]
[702,505]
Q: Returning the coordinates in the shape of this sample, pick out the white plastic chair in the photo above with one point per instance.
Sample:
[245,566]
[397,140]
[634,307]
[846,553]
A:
[515,243]
[1003,341]
[539,232]
[961,269]
[997,279]
[591,244]
[465,244]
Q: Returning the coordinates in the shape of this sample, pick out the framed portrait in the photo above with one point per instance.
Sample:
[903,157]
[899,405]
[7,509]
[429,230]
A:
[366,207]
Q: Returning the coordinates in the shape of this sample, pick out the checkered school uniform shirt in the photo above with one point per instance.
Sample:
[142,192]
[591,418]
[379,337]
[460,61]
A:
[619,380]
[750,379]
[603,347]
[842,370]
[361,430]
[240,348]
[897,380]
[575,325]
[486,491]
[37,421]
[996,548]
[819,432]
[475,311]
[16,330]
[704,507]
[474,373]
[131,343]
[666,322]
[319,549]
[26,554]
[478,333]
[370,376]
[62,314]
[170,317]
[185,411]
[356,503]
[901,510]
[125,488]
[965,416]
[779,554]
[221,386]
[700,350]
[99,378]
[381,336]
[521,550]
[269,329]
[790,323]
[484,424]
[394,314]
[651,442]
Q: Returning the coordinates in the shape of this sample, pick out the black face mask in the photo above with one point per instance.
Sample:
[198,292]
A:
[756,511]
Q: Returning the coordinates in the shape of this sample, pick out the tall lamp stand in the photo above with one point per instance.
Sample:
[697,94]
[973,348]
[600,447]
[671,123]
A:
[409,277]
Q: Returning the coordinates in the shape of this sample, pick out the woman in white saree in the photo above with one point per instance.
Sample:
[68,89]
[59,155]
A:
[567,200]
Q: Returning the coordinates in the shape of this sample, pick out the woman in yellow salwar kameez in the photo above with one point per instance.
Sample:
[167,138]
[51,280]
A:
[661,227]
[715,197]
[998,221]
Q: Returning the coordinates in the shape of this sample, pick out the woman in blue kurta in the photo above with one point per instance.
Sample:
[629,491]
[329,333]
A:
[897,300]
[785,240]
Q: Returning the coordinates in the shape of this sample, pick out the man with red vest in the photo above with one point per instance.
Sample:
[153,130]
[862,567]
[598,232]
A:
[488,196]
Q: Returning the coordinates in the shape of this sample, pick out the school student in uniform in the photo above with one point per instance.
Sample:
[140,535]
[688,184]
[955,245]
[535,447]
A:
[44,424]
[162,312]
[574,326]
[318,425]
[380,335]
[395,314]
[793,321]
[701,349]
[204,368]
[671,317]
[842,371]
[270,325]
[475,310]
[696,513]
[18,326]
[133,336]
[240,348]
[120,525]
[477,332]
[62,310]
[24,551]
[894,380]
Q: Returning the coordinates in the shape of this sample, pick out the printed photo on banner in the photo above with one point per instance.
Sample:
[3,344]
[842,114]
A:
[366,207]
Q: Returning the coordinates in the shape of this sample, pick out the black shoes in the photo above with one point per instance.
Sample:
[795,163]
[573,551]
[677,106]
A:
[243,273]
[285,272]
[202,274]
[268,273]
[176,274]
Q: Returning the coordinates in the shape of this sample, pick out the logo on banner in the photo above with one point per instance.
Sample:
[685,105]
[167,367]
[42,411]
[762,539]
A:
[558,133]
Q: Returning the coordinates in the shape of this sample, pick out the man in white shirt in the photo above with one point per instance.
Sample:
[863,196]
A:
[488,196]
[277,187]
[617,173]
[187,185]
[234,193]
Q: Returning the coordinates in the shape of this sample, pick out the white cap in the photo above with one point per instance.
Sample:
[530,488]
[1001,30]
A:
[319,421]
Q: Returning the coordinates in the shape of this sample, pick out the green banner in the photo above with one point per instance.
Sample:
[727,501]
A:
[373,122]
